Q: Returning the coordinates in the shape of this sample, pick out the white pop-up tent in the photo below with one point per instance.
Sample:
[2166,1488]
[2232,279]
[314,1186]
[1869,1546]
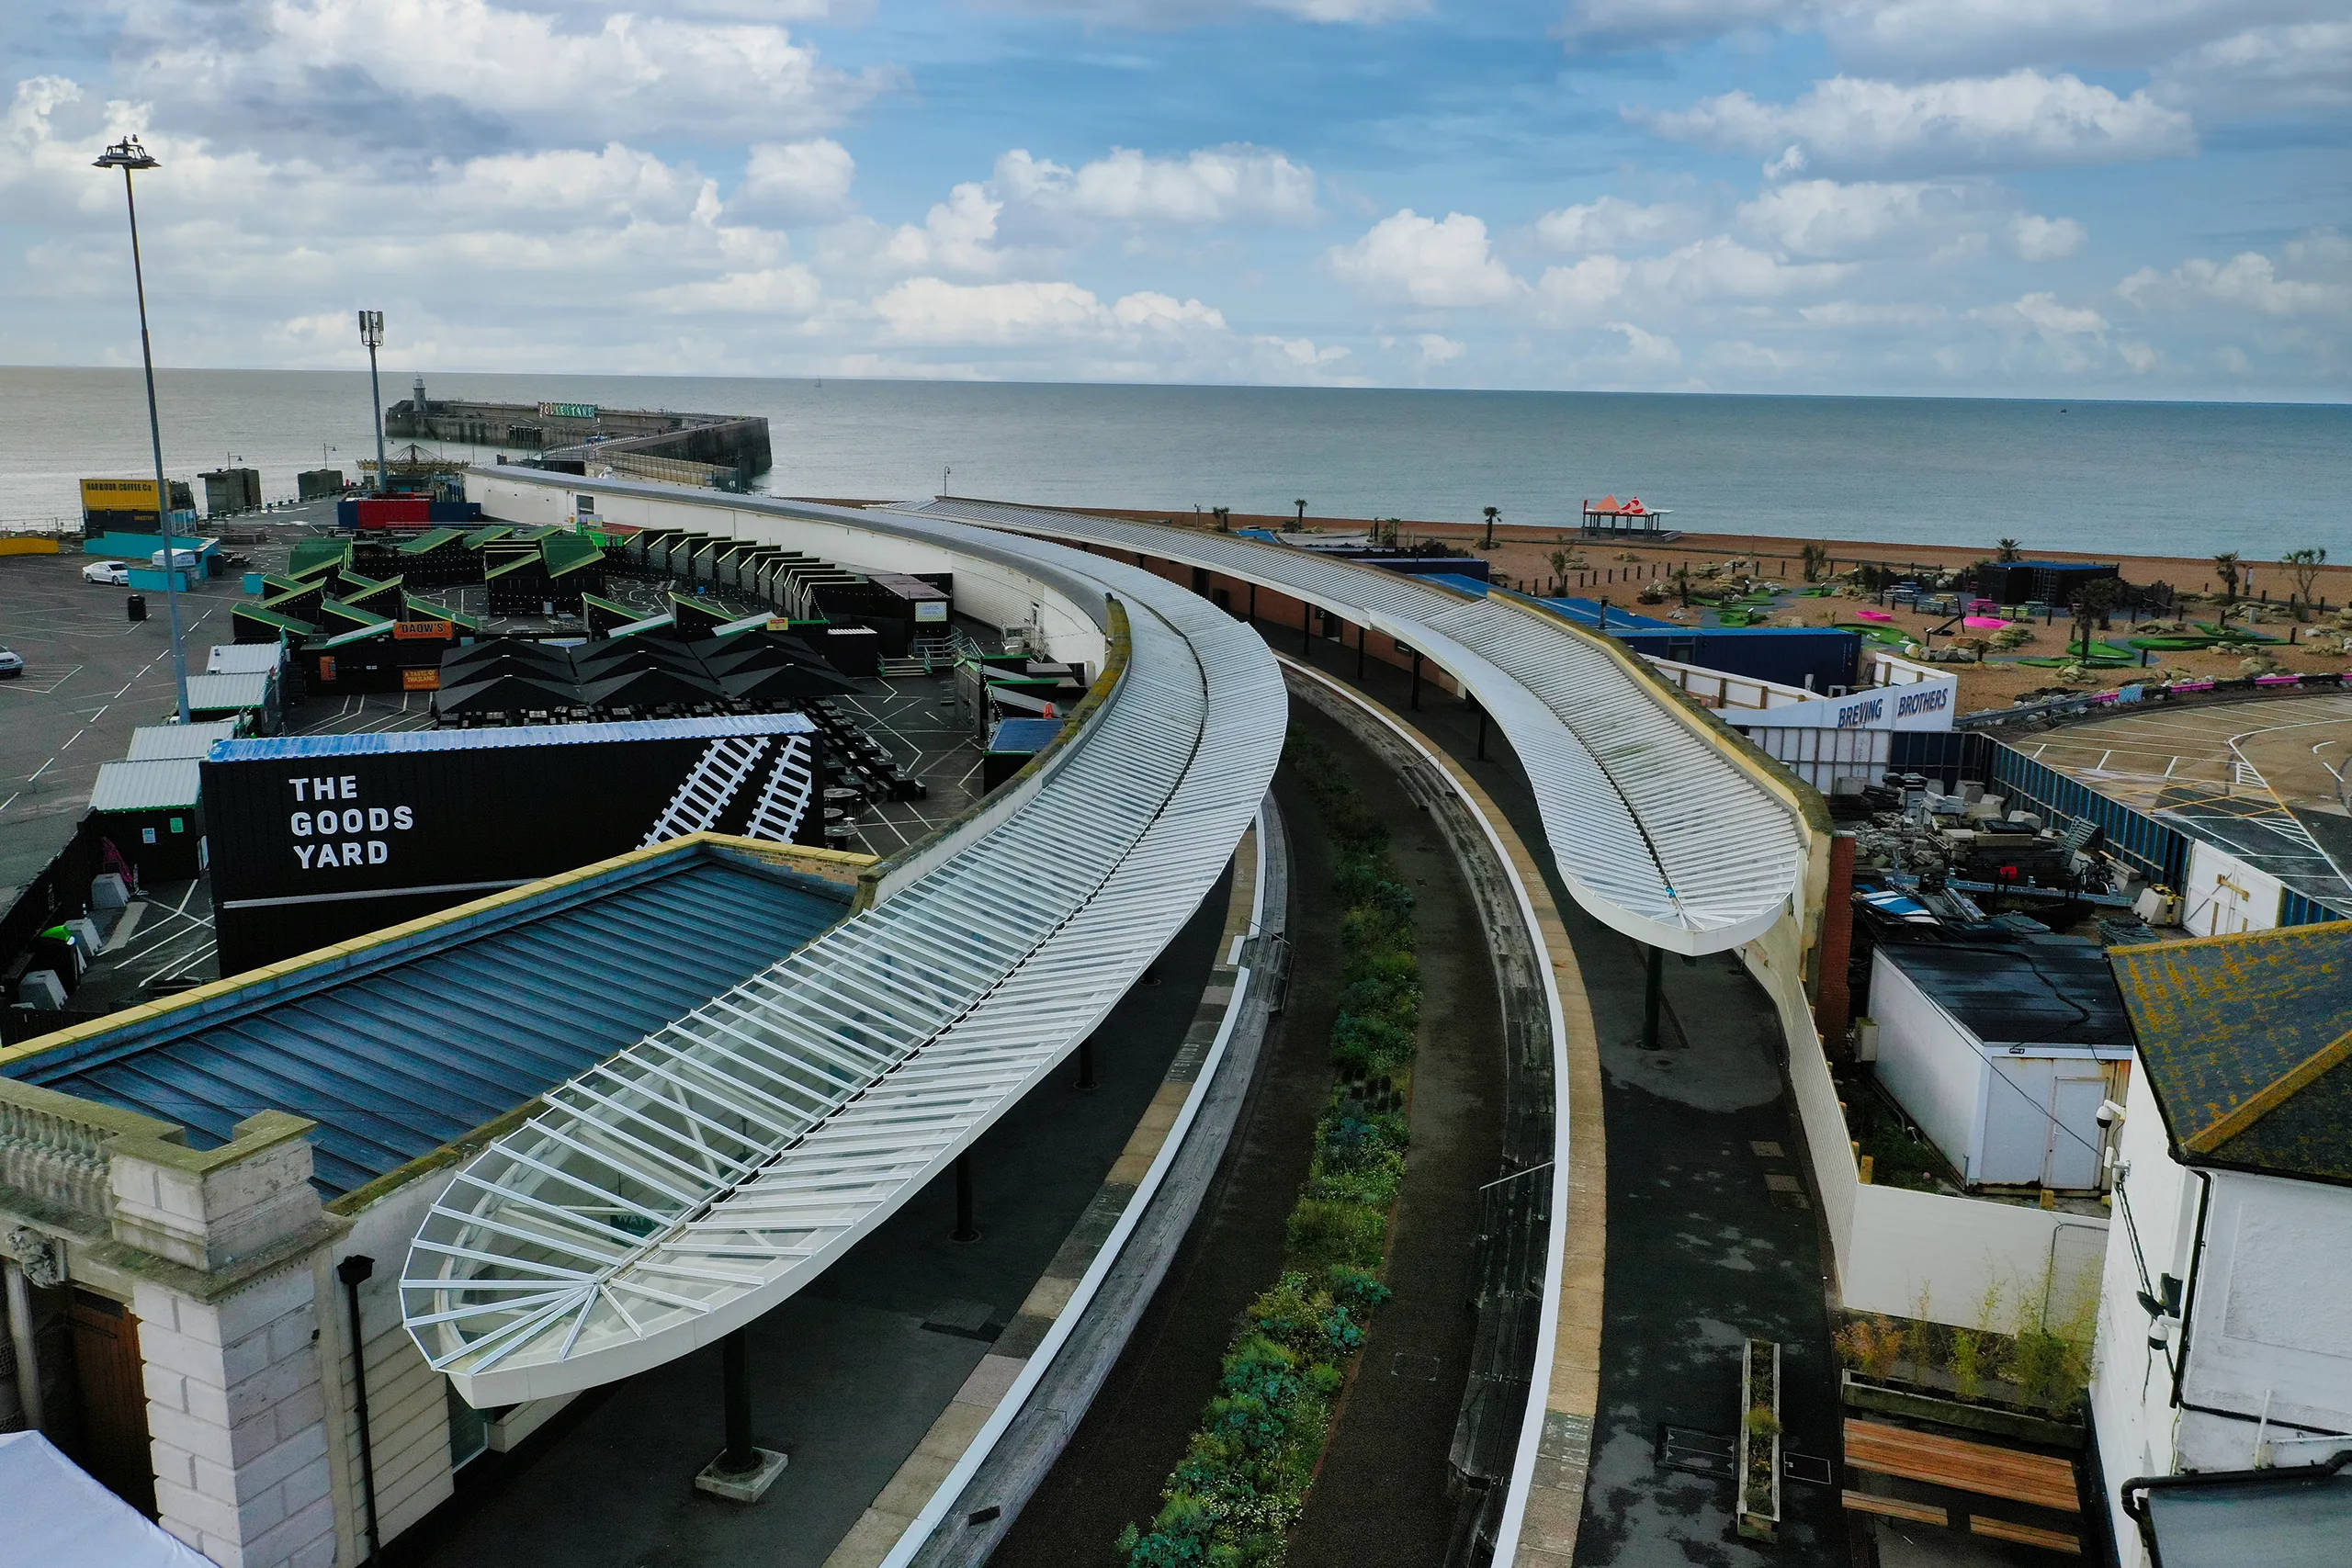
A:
[52,1514]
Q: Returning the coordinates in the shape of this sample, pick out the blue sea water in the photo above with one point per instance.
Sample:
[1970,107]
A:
[2131,478]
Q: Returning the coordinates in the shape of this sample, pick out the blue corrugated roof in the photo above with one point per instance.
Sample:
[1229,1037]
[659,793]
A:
[280,747]
[1025,734]
[440,1036]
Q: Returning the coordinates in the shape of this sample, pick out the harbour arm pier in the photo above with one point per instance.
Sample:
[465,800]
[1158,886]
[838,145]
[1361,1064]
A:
[723,451]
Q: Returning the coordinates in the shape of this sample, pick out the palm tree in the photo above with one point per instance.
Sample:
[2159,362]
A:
[1492,513]
[2226,563]
[1814,557]
[1223,515]
[1681,580]
[2303,567]
[2008,548]
[1563,563]
[1301,504]
[2093,600]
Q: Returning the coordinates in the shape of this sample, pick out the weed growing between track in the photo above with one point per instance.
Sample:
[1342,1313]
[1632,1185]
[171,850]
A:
[1244,1477]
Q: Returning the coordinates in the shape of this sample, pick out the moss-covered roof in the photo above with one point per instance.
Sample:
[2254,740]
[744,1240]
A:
[2247,1044]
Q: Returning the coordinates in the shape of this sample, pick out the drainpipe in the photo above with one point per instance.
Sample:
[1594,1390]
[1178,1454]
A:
[2188,1291]
[20,1335]
[354,1271]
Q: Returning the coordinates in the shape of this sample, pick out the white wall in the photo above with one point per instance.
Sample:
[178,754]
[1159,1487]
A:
[1948,1253]
[2271,1319]
[2267,1300]
[1930,1064]
[987,590]
[1919,704]
[2224,894]
[1899,1251]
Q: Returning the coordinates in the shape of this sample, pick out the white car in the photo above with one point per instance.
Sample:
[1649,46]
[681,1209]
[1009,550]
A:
[111,573]
[11,664]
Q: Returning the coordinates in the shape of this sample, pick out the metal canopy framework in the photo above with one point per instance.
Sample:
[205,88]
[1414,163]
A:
[690,1184]
[1657,832]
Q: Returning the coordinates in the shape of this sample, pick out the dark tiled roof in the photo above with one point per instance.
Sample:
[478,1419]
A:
[2247,1045]
[439,1033]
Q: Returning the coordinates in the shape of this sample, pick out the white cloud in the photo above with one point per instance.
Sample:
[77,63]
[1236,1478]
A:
[787,180]
[1410,259]
[2035,238]
[1637,23]
[1437,349]
[1912,37]
[1823,217]
[2045,313]
[932,310]
[1188,12]
[1613,223]
[957,235]
[1206,188]
[2315,283]
[363,66]
[1584,292]
[2022,119]
[2264,71]
[791,291]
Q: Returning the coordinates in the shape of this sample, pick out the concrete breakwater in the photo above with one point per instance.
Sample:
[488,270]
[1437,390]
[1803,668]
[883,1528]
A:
[703,447]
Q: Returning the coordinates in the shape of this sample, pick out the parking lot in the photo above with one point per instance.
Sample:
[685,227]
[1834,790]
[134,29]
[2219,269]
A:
[92,675]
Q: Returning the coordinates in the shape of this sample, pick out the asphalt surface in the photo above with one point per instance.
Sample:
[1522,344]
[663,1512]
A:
[846,1379]
[1701,1250]
[92,675]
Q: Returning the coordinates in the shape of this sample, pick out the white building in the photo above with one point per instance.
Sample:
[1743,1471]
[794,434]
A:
[2003,1052]
[2225,1329]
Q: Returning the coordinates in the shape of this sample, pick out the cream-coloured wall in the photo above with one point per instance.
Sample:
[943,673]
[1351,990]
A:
[408,1419]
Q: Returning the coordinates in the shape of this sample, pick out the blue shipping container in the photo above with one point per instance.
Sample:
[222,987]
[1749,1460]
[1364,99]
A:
[1813,657]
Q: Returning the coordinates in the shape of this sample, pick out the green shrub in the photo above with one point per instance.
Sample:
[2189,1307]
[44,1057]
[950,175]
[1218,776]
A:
[1242,1483]
[1325,1231]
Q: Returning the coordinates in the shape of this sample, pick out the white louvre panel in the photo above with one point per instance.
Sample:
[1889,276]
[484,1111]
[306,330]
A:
[1654,830]
[687,1186]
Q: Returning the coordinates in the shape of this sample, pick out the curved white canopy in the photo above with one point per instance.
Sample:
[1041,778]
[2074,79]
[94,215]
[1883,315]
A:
[692,1183]
[1655,831]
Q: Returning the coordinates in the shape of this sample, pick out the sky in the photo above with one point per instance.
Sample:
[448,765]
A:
[2137,199]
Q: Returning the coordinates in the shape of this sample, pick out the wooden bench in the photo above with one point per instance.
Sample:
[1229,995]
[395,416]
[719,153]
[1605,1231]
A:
[1897,1508]
[2024,1535]
[1989,1471]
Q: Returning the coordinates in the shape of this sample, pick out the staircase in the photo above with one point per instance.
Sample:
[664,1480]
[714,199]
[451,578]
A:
[716,778]
[784,799]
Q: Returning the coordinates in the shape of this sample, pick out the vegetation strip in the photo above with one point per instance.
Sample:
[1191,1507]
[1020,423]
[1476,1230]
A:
[1244,1477]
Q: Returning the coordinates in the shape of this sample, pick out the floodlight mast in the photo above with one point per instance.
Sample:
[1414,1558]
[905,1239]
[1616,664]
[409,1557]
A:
[371,333]
[127,155]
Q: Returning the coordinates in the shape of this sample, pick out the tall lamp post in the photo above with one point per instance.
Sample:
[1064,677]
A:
[127,155]
[371,333]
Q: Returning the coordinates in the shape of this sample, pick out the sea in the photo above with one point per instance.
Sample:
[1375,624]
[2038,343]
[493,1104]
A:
[2131,478]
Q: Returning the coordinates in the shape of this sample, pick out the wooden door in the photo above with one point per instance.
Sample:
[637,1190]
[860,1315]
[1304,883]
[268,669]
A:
[114,1443]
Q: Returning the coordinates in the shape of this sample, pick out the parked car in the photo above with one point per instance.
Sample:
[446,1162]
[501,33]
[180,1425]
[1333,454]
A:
[112,573]
[12,664]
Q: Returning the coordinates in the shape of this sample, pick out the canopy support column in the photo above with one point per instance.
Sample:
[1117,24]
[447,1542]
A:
[966,1230]
[1086,1084]
[1655,958]
[743,1471]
